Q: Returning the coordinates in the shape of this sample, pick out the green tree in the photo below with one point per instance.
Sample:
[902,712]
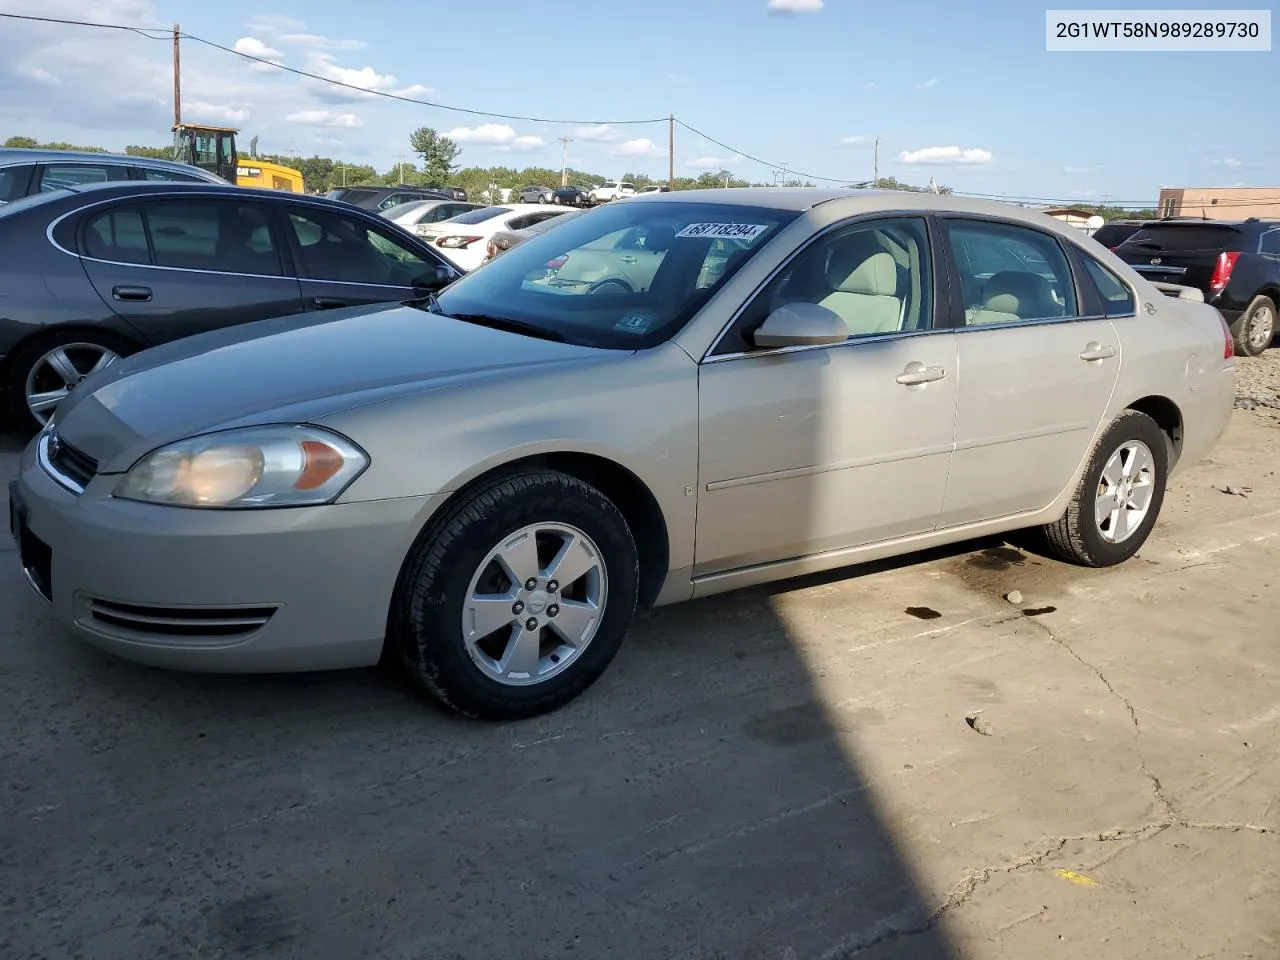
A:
[26,143]
[439,154]
[155,153]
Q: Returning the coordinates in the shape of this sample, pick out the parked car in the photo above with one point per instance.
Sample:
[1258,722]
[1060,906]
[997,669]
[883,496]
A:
[453,193]
[653,188]
[1234,263]
[379,199]
[504,240]
[418,213]
[535,195]
[485,484]
[572,196]
[463,239]
[612,190]
[1115,232]
[94,273]
[24,172]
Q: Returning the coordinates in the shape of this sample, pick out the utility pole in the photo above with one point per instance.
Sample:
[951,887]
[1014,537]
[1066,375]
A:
[177,76]
[399,168]
[875,167]
[564,162]
[671,152]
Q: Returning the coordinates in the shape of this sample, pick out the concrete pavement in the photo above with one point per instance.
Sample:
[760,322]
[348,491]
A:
[893,762]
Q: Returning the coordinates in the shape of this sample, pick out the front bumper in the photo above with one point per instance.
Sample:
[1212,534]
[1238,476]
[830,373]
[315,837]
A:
[306,588]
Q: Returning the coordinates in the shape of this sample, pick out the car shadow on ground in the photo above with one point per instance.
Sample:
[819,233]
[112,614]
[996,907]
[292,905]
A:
[696,803]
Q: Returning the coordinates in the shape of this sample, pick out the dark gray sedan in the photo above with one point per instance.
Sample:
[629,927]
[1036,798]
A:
[93,273]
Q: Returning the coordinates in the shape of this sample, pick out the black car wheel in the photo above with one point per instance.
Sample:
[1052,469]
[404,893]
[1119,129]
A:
[516,599]
[1256,328]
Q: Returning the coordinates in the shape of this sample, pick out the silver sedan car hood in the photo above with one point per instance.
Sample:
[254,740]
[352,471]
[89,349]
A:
[293,369]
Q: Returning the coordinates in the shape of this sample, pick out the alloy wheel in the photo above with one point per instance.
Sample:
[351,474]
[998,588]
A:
[53,377]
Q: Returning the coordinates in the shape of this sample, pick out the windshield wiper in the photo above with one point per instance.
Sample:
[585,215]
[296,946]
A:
[506,323]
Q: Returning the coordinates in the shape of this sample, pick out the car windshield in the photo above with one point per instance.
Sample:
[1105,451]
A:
[401,210]
[621,277]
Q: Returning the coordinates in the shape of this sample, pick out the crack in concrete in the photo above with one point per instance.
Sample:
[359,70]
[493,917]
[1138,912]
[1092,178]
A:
[964,891]
[1157,788]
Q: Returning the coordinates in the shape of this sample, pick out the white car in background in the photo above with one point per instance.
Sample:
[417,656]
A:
[613,190]
[417,213]
[463,239]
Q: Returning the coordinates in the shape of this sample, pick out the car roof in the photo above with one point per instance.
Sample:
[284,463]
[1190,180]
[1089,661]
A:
[852,202]
[12,155]
[144,188]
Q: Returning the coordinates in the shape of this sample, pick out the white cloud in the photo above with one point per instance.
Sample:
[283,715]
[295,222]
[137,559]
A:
[788,7]
[525,144]
[928,84]
[869,86]
[1076,170]
[640,147]
[360,83]
[253,47]
[945,155]
[858,140]
[316,40]
[274,24]
[493,133]
[201,111]
[712,163]
[1231,162]
[603,133]
[39,74]
[324,118]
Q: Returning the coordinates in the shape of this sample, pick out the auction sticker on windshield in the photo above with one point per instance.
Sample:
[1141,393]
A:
[734,231]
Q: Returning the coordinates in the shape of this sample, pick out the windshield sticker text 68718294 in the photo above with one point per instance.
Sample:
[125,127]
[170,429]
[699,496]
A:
[728,231]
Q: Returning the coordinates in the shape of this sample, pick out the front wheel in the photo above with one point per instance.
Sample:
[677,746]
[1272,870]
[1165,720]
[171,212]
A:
[1119,497]
[43,371]
[516,601]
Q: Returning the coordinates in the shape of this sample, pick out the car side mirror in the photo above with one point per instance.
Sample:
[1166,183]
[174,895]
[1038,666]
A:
[801,325]
[436,279]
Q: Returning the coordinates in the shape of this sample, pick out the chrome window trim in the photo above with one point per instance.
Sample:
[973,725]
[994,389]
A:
[135,198]
[58,477]
[908,334]
[812,239]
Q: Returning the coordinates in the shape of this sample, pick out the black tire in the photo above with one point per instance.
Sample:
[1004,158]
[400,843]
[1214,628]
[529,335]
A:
[1076,537]
[1250,343]
[426,617]
[13,389]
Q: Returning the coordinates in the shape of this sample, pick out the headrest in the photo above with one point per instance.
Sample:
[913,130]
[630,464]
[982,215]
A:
[855,269]
[659,237]
[1026,295]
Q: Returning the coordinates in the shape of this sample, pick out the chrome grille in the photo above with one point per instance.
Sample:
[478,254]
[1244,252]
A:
[69,466]
[221,623]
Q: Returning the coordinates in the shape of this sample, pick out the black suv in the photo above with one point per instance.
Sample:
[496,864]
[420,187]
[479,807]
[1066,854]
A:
[1115,232]
[1235,263]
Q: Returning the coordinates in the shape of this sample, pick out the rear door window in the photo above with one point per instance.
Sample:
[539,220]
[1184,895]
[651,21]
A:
[13,183]
[220,235]
[118,235]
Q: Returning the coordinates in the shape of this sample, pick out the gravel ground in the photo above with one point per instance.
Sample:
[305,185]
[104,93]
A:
[1258,384]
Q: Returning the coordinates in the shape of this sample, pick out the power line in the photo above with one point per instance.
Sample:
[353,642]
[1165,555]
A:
[143,31]
[766,163]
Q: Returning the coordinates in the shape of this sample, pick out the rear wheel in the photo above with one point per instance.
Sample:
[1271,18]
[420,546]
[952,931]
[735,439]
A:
[1256,328]
[518,599]
[1119,496]
[43,371]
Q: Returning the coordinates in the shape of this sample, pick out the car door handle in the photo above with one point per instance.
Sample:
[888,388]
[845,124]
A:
[134,294]
[327,303]
[627,259]
[917,373]
[1096,351]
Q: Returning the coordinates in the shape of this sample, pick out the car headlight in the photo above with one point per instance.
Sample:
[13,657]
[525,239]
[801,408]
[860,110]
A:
[275,466]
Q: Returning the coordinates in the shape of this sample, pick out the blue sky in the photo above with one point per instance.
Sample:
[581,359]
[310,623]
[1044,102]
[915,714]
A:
[961,91]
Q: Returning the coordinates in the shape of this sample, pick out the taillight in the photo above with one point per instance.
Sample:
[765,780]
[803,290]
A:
[1229,343]
[1222,271]
[453,243]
